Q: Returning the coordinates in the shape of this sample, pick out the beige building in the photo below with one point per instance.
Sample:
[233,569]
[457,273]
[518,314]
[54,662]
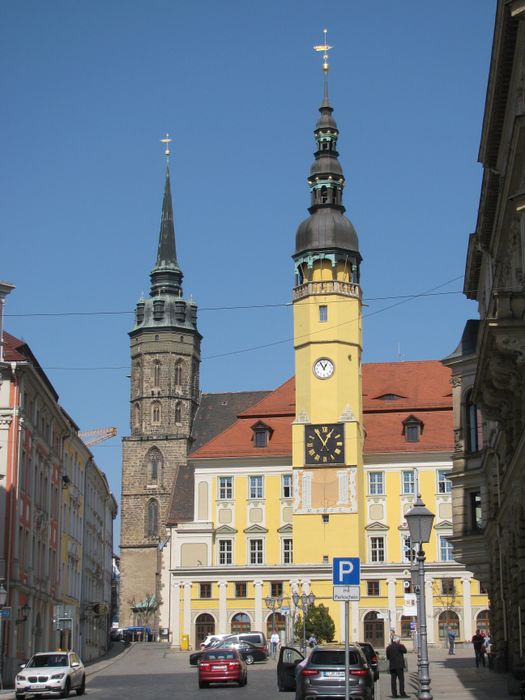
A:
[489,364]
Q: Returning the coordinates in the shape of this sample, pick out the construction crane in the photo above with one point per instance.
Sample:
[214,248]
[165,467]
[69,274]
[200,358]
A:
[97,435]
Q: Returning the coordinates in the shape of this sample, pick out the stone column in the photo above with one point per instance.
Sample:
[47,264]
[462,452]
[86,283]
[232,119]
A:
[392,616]
[174,622]
[223,613]
[467,608]
[186,616]
[429,600]
[258,604]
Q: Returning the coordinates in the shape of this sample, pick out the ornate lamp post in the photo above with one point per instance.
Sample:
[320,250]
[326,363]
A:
[420,520]
[3,598]
[303,601]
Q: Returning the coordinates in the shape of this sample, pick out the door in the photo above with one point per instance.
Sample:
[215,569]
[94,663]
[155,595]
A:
[374,630]
[204,625]
[286,667]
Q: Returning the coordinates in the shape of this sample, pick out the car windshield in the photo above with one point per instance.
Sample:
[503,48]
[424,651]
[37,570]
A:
[48,660]
[332,657]
[219,655]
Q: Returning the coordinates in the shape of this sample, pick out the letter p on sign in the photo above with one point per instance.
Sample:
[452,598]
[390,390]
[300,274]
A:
[346,571]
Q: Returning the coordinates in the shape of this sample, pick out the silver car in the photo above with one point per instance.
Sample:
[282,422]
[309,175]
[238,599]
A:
[51,672]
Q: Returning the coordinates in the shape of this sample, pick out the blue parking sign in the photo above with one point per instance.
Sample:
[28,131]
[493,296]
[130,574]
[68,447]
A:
[346,571]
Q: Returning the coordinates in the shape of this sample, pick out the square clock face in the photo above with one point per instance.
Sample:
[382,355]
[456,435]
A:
[324,444]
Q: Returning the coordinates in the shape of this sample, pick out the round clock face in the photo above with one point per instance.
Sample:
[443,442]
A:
[324,368]
[324,444]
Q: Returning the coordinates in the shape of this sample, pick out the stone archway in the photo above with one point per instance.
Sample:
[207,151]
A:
[240,623]
[446,619]
[374,630]
[483,621]
[277,619]
[204,625]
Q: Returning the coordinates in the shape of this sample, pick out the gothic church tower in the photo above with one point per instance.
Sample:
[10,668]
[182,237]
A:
[165,356]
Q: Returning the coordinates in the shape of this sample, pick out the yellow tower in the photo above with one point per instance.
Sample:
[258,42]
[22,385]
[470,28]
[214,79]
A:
[327,432]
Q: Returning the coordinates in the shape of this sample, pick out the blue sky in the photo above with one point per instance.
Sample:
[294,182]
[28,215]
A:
[88,90]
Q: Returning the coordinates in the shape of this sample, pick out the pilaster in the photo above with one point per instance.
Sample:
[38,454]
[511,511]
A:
[467,608]
[429,601]
[186,622]
[258,584]
[223,613]
[174,622]
[391,592]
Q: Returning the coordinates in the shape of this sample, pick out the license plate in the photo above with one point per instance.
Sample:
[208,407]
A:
[218,668]
[333,674]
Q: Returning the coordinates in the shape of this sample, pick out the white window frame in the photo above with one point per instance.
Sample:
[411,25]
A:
[408,479]
[445,547]
[287,484]
[225,491]
[377,537]
[256,487]
[406,546]
[227,554]
[287,550]
[376,483]
[444,485]
[250,551]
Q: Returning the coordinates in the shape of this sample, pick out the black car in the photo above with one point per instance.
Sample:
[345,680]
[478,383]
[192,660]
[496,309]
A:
[249,652]
[371,657]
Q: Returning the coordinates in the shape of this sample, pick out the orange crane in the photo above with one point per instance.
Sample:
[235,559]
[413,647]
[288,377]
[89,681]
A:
[97,435]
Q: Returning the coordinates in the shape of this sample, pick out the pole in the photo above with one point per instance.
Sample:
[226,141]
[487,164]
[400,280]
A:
[304,627]
[347,651]
[424,678]
[1,654]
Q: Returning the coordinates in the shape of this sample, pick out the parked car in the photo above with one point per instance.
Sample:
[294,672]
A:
[211,640]
[372,658]
[249,652]
[322,673]
[214,642]
[220,665]
[137,633]
[51,672]
[257,638]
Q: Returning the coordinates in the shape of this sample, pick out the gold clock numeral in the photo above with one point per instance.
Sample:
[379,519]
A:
[337,452]
[317,458]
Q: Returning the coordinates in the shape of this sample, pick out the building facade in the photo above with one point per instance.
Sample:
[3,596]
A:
[487,367]
[326,465]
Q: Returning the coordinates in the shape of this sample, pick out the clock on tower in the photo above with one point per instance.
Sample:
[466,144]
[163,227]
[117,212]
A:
[324,444]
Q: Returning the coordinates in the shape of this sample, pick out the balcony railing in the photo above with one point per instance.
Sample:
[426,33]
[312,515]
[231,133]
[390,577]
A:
[349,289]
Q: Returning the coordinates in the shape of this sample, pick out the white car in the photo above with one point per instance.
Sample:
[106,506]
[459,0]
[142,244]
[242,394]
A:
[51,672]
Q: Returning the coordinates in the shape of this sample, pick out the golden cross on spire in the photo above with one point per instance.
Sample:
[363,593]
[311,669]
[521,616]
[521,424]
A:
[167,141]
[325,48]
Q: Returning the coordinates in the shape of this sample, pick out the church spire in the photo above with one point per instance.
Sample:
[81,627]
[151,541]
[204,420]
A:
[166,276]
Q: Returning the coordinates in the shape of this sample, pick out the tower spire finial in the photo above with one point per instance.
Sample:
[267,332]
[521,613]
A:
[325,48]
[167,151]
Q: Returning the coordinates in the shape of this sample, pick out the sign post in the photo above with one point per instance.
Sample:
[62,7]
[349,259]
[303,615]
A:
[346,577]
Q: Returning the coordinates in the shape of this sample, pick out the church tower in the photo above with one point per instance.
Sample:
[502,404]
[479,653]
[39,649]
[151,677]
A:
[327,432]
[165,356]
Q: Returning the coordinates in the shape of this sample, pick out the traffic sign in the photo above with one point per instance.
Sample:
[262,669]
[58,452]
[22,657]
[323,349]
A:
[346,593]
[346,571]
[5,613]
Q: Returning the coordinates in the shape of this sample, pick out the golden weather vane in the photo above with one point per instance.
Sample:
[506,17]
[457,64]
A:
[167,141]
[325,48]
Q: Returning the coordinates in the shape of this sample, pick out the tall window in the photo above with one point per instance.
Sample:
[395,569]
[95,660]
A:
[156,374]
[225,552]
[444,484]
[240,589]
[287,485]
[471,424]
[446,551]
[178,374]
[288,551]
[476,522]
[408,481]
[136,415]
[377,549]
[276,589]
[178,412]
[376,483]
[406,549]
[152,518]
[256,551]
[155,412]
[323,313]
[225,487]
[153,465]
[256,487]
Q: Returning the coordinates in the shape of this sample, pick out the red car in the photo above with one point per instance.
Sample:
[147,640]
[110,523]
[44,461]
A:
[222,666]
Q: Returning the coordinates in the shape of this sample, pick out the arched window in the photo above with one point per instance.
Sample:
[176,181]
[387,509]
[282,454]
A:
[136,415]
[152,519]
[240,623]
[178,412]
[483,621]
[471,424]
[155,412]
[178,374]
[156,374]
[446,619]
[324,195]
[153,465]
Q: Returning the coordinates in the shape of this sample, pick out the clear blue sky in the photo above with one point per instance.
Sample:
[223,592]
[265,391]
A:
[89,88]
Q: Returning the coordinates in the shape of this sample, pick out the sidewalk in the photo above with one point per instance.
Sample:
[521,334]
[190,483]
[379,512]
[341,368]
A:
[455,678]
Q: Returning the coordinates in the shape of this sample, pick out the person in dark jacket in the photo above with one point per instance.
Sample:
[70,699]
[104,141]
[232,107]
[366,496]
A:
[478,642]
[395,652]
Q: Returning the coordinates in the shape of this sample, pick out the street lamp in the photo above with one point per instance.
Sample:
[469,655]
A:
[419,520]
[25,610]
[303,601]
[3,598]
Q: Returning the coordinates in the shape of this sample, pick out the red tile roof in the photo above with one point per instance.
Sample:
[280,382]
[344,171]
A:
[12,347]
[424,391]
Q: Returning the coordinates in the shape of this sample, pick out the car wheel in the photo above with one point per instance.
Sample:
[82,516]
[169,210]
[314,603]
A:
[203,684]
[82,687]
[249,659]
[19,696]
[67,689]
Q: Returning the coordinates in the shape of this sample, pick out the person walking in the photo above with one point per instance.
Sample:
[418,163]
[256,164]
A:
[451,641]
[395,652]
[478,642]
[274,641]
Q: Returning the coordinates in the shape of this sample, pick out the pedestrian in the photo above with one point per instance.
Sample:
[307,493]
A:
[312,641]
[274,641]
[478,642]
[395,652]
[451,641]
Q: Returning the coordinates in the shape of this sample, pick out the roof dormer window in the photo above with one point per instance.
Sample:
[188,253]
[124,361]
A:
[412,429]
[261,434]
